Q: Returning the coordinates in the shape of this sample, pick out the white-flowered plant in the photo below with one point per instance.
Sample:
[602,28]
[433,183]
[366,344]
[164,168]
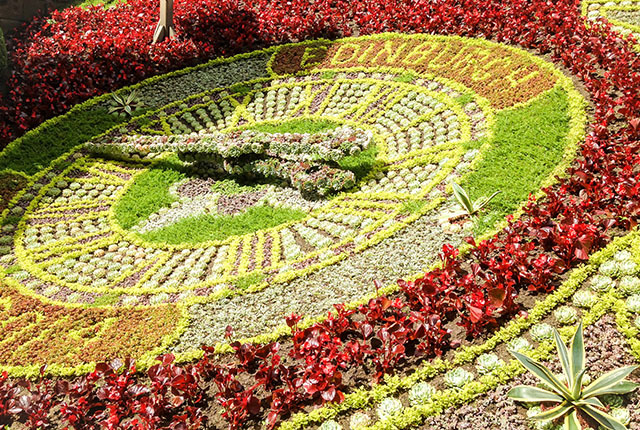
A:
[457,377]
[566,315]
[540,332]
[421,393]
[633,303]
[359,420]
[389,407]
[584,298]
[487,363]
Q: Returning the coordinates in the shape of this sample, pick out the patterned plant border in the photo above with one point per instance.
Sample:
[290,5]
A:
[614,5]
[575,135]
[393,385]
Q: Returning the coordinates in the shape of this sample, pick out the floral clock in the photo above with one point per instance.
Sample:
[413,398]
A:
[238,204]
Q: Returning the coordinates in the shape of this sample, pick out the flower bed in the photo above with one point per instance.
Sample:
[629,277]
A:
[558,232]
[152,232]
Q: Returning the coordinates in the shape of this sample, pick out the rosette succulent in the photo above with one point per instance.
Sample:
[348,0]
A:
[487,363]
[566,315]
[633,303]
[573,397]
[540,332]
[457,377]
[584,298]
[359,420]
[330,425]
[601,283]
[389,407]
[420,393]
[629,285]
[519,344]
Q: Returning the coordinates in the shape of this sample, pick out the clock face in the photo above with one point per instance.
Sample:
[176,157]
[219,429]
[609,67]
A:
[290,180]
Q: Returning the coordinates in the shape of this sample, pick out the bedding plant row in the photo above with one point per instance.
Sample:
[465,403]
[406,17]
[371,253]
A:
[556,233]
[71,55]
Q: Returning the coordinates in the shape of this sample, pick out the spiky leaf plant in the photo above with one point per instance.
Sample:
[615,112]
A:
[572,397]
[470,207]
[125,105]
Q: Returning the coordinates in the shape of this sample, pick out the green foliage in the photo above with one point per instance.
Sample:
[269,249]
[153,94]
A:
[328,74]
[405,78]
[248,281]
[470,207]
[529,143]
[148,194]
[362,163]
[464,99]
[107,299]
[413,206]
[308,126]
[216,227]
[229,187]
[123,106]
[571,396]
[240,89]
[38,148]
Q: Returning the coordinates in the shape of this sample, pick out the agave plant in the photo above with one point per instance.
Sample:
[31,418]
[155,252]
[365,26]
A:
[125,105]
[470,207]
[572,398]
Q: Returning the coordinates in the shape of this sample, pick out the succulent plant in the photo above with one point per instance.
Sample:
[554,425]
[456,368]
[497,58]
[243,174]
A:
[629,285]
[574,396]
[389,407]
[330,425]
[540,332]
[621,414]
[609,268]
[623,255]
[519,344]
[600,283]
[540,424]
[566,315]
[359,420]
[584,298]
[613,400]
[633,303]
[627,267]
[457,377]
[487,363]
[420,393]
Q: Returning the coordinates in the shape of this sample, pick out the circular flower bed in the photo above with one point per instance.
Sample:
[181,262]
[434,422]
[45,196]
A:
[293,191]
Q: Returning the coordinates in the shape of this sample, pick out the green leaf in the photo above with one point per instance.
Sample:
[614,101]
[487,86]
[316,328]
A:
[543,374]
[577,351]
[523,393]
[603,419]
[462,197]
[622,387]
[571,422]
[478,206]
[577,386]
[127,109]
[555,413]
[593,401]
[117,98]
[565,360]
[607,381]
